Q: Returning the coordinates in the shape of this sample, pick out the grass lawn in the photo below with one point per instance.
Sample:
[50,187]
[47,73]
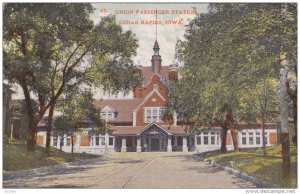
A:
[16,157]
[255,164]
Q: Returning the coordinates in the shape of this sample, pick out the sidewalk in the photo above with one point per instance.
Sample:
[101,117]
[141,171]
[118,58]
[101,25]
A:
[47,170]
[258,182]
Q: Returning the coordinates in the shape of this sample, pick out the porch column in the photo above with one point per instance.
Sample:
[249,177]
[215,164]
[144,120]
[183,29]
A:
[123,148]
[138,147]
[65,140]
[106,139]
[58,142]
[184,144]
[169,148]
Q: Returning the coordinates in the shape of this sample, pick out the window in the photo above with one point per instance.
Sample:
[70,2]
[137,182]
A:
[257,138]
[153,114]
[97,141]
[199,140]
[218,138]
[212,138]
[148,115]
[107,113]
[244,140]
[68,141]
[205,138]
[111,141]
[102,141]
[251,138]
[55,141]
[161,110]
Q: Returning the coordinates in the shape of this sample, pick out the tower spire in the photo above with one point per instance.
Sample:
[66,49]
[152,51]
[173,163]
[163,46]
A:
[156,25]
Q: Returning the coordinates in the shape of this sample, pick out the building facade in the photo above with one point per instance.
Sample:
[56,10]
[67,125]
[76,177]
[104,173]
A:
[136,124]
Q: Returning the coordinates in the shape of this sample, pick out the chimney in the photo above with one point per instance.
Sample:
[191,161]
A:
[173,72]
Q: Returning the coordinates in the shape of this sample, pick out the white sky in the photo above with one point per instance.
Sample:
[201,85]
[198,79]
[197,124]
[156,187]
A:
[167,34]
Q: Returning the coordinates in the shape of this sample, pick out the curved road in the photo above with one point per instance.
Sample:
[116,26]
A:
[138,170]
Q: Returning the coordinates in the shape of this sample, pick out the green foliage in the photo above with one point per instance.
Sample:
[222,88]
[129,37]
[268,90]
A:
[255,164]
[77,110]
[231,62]
[50,47]
[15,157]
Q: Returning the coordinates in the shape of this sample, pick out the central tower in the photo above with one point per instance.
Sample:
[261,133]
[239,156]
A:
[156,59]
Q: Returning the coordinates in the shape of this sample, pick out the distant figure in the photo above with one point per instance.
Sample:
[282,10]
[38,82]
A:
[146,147]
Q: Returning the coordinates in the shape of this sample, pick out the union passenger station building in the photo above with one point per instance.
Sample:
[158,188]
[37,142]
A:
[136,124]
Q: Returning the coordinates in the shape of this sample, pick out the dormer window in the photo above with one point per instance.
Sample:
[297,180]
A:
[108,113]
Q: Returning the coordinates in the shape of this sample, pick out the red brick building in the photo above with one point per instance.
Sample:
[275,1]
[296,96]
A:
[137,125]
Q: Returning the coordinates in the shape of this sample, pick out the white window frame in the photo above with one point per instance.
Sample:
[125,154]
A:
[258,136]
[107,114]
[151,110]
[68,141]
[251,136]
[244,136]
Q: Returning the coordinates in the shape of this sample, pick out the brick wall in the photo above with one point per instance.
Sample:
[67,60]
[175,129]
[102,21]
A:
[154,101]
[273,138]
[74,139]
[40,139]
[228,139]
[85,140]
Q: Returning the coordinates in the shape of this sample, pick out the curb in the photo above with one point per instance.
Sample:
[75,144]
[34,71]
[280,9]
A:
[258,182]
[47,170]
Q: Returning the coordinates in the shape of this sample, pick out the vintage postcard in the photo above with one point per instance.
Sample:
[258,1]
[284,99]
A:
[162,95]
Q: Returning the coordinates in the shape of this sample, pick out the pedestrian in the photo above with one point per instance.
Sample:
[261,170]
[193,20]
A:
[146,147]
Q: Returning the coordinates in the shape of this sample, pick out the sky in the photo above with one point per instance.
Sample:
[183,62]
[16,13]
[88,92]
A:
[167,34]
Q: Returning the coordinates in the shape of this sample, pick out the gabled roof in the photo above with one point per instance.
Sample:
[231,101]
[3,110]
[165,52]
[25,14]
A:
[124,107]
[150,125]
[154,91]
[148,73]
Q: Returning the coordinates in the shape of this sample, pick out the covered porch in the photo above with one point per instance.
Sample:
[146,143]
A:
[153,138]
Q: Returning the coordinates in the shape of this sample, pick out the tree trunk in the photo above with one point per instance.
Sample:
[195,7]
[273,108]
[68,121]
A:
[263,137]
[31,135]
[49,128]
[72,145]
[286,159]
[234,139]
[223,142]
[295,116]
[284,106]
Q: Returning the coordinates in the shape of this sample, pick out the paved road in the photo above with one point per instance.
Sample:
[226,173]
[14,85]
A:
[137,170]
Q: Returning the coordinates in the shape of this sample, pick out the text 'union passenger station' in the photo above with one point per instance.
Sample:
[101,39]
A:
[136,124]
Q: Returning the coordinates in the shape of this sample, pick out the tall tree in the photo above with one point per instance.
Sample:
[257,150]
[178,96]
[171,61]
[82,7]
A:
[226,48]
[48,46]
[76,111]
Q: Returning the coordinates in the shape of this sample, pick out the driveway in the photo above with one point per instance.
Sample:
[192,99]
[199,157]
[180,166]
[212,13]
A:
[138,170]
